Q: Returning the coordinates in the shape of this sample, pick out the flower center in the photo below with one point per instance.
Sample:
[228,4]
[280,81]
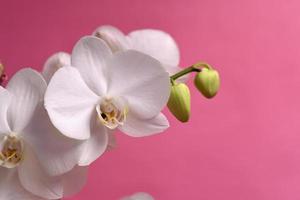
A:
[111,112]
[11,151]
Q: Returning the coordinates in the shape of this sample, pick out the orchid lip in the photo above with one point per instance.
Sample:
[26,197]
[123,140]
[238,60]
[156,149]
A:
[111,112]
[12,150]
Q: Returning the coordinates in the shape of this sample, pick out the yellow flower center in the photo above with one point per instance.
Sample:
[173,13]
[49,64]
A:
[111,113]
[11,151]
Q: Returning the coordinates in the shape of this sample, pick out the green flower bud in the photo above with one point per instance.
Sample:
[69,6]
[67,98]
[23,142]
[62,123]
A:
[208,82]
[180,102]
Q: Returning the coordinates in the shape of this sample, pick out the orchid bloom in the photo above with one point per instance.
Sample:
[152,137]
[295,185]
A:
[102,91]
[12,189]
[158,44]
[26,146]
[139,196]
[52,64]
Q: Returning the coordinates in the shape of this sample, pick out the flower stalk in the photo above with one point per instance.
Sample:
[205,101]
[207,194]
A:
[194,68]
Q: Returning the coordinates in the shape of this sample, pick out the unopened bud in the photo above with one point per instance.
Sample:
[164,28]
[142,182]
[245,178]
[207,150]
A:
[139,196]
[3,76]
[55,62]
[113,37]
[1,69]
[208,82]
[180,102]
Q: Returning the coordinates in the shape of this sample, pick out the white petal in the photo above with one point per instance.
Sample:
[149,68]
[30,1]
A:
[70,103]
[11,188]
[74,180]
[96,145]
[136,127]
[55,62]
[5,99]
[113,37]
[89,57]
[139,196]
[27,88]
[35,180]
[141,80]
[157,44]
[58,154]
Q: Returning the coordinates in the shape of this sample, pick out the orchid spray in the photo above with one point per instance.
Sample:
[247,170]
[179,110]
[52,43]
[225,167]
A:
[54,124]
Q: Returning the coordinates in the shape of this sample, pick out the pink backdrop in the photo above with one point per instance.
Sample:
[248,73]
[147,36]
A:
[242,145]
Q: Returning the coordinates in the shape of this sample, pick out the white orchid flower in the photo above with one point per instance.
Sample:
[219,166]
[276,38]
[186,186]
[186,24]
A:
[139,196]
[156,43]
[103,91]
[57,61]
[12,189]
[25,148]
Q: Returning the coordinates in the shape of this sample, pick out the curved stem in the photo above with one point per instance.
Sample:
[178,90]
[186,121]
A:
[194,68]
[200,65]
[184,72]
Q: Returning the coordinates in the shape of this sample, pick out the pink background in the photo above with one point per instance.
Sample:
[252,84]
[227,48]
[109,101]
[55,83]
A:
[242,145]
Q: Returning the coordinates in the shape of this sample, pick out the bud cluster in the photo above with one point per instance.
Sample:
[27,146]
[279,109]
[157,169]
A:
[207,81]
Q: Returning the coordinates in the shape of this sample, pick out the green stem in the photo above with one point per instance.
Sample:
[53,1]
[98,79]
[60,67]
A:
[194,68]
